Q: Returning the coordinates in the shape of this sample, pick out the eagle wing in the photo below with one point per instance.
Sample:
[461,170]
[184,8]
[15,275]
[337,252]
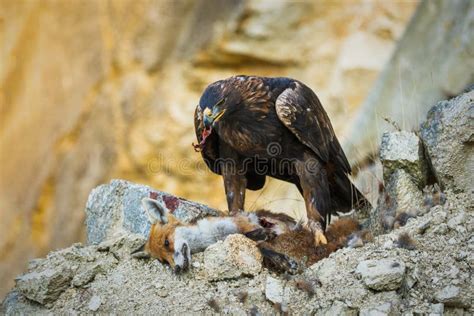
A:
[299,109]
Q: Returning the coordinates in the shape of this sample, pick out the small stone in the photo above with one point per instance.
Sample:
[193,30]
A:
[449,295]
[380,310]
[439,214]
[44,286]
[338,308]
[423,226]
[441,229]
[196,264]
[382,274]
[232,258]
[454,311]
[461,255]
[457,220]
[94,303]
[274,290]
[85,277]
[388,244]
[436,309]
[162,293]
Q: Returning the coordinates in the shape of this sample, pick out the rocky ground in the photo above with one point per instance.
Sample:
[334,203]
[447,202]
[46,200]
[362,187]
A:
[420,261]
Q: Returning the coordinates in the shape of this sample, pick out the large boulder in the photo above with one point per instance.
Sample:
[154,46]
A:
[448,135]
[115,209]
[403,150]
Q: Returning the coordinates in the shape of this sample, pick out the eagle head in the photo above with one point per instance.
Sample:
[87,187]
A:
[217,102]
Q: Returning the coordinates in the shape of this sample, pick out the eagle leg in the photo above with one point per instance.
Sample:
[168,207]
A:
[235,186]
[315,187]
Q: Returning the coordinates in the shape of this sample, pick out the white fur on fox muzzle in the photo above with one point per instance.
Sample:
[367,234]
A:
[182,257]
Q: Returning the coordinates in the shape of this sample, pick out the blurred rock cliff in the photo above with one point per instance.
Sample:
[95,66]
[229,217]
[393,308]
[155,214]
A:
[93,90]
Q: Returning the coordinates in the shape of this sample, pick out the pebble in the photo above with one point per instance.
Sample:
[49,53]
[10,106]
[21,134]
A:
[94,303]
[274,290]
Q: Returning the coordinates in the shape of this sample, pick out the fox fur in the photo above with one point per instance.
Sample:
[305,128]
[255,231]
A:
[286,245]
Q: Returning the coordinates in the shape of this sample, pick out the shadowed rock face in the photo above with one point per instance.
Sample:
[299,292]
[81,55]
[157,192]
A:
[91,91]
[423,266]
[448,135]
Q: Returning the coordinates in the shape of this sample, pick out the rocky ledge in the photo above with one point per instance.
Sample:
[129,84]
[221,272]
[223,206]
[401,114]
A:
[420,261]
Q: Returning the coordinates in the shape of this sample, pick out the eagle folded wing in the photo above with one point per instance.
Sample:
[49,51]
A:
[299,109]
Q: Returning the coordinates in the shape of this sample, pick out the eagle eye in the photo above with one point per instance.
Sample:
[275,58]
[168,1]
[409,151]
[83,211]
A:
[221,101]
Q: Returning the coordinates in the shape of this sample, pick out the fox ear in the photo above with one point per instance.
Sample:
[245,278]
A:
[156,211]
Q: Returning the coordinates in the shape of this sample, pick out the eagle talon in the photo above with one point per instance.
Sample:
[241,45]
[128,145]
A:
[316,228]
[197,147]
[319,238]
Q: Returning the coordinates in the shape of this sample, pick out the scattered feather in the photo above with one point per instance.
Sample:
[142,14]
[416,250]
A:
[214,305]
[405,241]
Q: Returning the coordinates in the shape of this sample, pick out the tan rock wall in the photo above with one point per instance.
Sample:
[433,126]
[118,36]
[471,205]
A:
[91,90]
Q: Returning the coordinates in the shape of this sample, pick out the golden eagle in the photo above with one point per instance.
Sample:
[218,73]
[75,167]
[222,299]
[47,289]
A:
[251,127]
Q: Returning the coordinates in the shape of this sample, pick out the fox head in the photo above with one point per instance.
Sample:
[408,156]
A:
[161,243]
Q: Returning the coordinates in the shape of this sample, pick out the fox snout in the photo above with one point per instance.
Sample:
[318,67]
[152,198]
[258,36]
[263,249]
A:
[182,258]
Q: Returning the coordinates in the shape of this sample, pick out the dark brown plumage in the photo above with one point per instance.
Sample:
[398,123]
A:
[252,127]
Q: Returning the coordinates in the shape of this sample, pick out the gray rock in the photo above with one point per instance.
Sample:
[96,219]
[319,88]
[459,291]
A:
[385,308]
[454,311]
[403,150]
[401,197]
[404,193]
[436,309]
[448,135]
[382,274]
[16,304]
[449,295]
[115,209]
[88,272]
[338,308]
[456,221]
[44,286]
[94,303]
[232,258]
[274,290]
[382,303]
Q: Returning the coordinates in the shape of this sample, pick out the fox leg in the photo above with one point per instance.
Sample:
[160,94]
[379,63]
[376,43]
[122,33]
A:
[278,262]
[261,234]
[315,187]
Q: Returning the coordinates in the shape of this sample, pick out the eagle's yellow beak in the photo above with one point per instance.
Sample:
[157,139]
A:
[218,115]
[211,117]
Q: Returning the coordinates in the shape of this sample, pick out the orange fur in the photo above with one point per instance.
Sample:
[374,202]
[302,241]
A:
[338,231]
[243,224]
[292,240]
[299,244]
[155,245]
